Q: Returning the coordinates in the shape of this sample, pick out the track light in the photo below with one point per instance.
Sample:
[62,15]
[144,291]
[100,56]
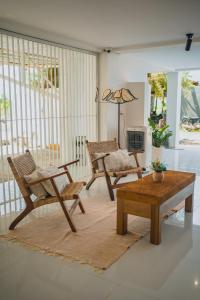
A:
[189,41]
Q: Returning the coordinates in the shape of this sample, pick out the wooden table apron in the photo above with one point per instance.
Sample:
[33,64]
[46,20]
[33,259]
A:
[150,205]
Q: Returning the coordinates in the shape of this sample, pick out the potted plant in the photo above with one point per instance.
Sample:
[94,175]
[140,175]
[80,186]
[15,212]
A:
[160,136]
[158,168]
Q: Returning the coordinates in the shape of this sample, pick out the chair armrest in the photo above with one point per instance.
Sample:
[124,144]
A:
[135,152]
[46,178]
[101,157]
[66,169]
[69,163]
[103,161]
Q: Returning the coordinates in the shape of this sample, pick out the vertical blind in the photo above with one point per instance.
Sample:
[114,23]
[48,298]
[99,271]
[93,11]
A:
[47,105]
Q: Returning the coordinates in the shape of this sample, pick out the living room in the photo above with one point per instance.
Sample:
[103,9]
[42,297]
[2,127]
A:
[99,199]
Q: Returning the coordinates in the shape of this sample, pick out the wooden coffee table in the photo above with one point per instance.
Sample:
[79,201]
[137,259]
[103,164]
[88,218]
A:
[149,199]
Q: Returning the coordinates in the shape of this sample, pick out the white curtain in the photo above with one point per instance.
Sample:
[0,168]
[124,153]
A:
[47,104]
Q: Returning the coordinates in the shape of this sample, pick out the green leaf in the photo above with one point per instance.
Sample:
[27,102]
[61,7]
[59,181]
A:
[159,135]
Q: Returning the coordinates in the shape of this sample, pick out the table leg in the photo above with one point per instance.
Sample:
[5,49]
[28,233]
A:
[121,219]
[189,203]
[155,234]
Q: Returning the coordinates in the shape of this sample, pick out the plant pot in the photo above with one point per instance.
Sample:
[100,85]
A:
[158,176]
[157,153]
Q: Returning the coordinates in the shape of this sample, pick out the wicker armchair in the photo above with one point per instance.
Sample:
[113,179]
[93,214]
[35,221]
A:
[106,147]
[23,165]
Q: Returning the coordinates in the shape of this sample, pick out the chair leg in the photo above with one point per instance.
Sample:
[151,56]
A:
[90,182]
[139,174]
[23,214]
[73,207]
[109,185]
[117,179]
[67,215]
[81,206]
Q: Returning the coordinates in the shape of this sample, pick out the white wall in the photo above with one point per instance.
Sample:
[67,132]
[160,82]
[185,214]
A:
[115,82]
[134,68]
[135,112]
[110,77]
[118,70]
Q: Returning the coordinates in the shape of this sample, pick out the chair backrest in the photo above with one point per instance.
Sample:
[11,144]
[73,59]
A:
[21,165]
[101,147]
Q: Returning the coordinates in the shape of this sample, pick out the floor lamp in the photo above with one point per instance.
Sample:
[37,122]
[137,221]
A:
[118,97]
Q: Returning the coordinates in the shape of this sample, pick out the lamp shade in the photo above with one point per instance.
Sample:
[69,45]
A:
[119,96]
[107,95]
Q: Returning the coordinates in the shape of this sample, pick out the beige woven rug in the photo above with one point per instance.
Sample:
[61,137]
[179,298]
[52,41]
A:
[96,242]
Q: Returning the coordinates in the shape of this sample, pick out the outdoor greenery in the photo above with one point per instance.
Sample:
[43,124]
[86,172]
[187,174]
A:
[187,84]
[190,104]
[157,166]
[44,78]
[4,107]
[158,82]
[160,135]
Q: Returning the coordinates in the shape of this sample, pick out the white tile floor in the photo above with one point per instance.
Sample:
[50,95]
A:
[146,272]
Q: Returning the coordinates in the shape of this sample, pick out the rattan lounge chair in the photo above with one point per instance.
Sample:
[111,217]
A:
[23,165]
[106,147]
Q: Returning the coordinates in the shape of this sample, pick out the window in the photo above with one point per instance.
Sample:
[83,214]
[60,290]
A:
[47,104]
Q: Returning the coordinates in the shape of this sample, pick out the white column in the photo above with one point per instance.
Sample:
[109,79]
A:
[137,114]
[173,106]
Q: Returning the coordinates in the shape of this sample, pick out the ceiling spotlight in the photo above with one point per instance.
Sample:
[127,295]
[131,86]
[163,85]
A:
[196,282]
[189,41]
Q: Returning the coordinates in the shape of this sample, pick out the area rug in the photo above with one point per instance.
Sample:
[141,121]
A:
[96,242]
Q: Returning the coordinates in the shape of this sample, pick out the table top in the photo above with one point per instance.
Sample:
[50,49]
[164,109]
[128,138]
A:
[146,190]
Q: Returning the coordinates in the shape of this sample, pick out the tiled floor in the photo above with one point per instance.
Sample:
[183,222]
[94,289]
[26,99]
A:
[146,272]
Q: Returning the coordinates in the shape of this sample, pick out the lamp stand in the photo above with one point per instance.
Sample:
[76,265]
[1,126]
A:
[118,136]
[118,97]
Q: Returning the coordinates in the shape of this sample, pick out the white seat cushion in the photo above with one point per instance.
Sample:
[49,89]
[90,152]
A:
[60,181]
[37,189]
[117,161]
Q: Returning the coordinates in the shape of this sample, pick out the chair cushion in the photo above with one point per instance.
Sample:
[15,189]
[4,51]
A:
[38,190]
[60,181]
[117,161]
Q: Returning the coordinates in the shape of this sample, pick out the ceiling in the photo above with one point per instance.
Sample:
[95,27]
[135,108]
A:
[154,31]
[173,58]
[103,23]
